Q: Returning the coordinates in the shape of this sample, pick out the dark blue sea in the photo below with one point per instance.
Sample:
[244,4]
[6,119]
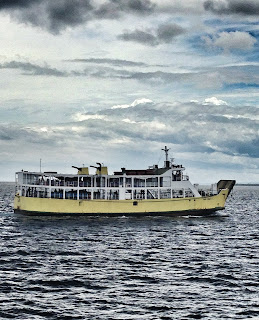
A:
[131,268]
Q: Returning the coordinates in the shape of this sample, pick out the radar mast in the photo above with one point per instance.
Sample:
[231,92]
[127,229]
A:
[167,162]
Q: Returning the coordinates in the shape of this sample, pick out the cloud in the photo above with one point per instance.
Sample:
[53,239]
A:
[209,135]
[229,41]
[239,7]
[33,69]
[4,4]
[227,78]
[207,78]
[214,101]
[115,62]
[178,6]
[58,15]
[140,36]
[166,123]
[133,104]
[165,33]
[28,134]
[112,9]
[141,101]
[81,117]
[54,15]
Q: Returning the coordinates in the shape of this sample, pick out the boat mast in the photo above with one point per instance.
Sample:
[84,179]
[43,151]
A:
[167,162]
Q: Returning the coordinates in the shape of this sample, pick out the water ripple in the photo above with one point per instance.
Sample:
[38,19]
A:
[131,268]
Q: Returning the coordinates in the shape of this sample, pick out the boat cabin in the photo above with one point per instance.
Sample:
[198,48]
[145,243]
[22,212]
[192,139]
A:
[155,182]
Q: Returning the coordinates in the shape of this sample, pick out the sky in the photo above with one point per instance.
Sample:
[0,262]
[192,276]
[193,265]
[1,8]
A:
[111,81]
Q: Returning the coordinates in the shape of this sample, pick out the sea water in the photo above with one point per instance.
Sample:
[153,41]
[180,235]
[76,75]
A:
[77,267]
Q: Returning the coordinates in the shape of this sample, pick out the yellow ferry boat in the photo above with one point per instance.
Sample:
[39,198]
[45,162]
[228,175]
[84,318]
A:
[153,191]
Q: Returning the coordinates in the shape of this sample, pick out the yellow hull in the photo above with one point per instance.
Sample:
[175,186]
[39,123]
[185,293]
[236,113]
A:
[179,206]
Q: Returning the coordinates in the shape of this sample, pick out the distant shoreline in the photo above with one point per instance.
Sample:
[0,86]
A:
[7,182]
[248,184]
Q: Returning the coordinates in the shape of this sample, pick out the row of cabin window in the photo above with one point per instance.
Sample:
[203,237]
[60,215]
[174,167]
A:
[109,182]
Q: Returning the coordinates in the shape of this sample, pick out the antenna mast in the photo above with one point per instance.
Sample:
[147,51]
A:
[167,162]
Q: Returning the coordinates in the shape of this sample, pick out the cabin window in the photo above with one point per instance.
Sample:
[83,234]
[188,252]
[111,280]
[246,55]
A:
[178,193]
[56,181]
[139,194]
[189,193]
[152,194]
[99,194]
[152,182]
[165,193]
[71,194]
[176,175]
[100,181]
[57,193]
[113,195]
[135,203]
[113,182]
[139,182]
[32,179]
[85,182]
[84,194]
[70,182]
[128,182]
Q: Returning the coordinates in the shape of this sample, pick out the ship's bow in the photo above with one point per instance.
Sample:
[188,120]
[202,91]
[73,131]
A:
[226,184]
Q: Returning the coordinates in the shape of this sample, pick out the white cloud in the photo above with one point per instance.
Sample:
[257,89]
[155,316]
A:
[141,101]
[154,125]
[128,121]
[133,104]
[81,117]
[191,129]
[121,106]
[44,129]
[234,40]
[214,101]
[237,116]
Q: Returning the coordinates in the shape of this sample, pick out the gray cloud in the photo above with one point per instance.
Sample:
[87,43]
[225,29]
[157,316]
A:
[68,13]
[31,135]
[143,37]
[199,78]
[5,4]
[32,69]
[56,16]
[138,6]
[240,7]
[182,7]
[115,62]
[112,8]
[165,33]
[212,135]
[171,123]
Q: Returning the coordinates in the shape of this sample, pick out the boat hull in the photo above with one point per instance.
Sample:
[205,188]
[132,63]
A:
[175,206]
